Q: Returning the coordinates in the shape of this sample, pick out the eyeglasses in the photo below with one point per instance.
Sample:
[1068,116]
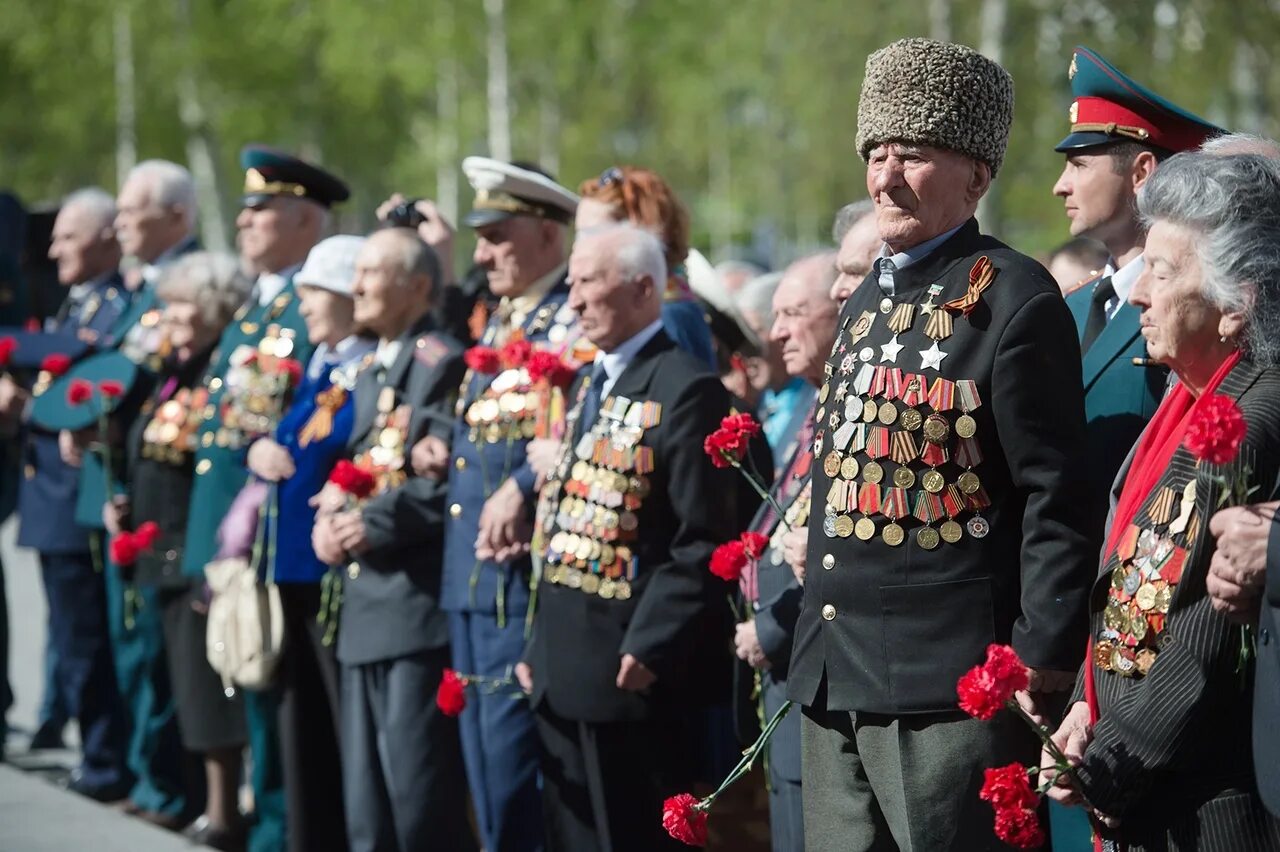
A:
[613,174]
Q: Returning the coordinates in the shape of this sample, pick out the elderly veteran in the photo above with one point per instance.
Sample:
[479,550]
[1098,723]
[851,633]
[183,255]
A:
[200,293]
[402,773]
[1162,712]
[627,611]
[521,220]
[312,435]
[948,508]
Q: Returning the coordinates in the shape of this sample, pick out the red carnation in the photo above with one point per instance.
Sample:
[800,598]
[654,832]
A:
[451,697]
[111,389]
[290,367]
[515,353]
[1020,828]
[743,424]
[1008,787]
[79,392]
[984,689]
[726,447]
[482,359]
[7,347]
[684,820]
[146,534]
[124,549]
[728,560]
[545,365]
[352,479]
[32,324]
[1216,430]
[754,543]
[56,364]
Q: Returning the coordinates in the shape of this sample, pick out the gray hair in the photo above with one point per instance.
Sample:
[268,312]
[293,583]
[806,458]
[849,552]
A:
[415,256]
[98,204]
[171,185]
[637,252]
[848,216]
[1232,202]
[212,281]
[1242,143]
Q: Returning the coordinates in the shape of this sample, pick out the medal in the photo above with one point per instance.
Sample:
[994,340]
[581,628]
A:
[910,419]
[849,468]
[928,538]
[886,305]
[931,358]
[938,326]
[866,353]
[870,411]
[902,318]
[1161,509]
[936,429]
[864,529]
[969,482]
[893,535]
[904,478]
[932,481]
[861,327]
[950,531]
[888,413]
[978,527]
[889,351]
[966,426]
[872,472]
[844,526]
[903,448]
[831,464]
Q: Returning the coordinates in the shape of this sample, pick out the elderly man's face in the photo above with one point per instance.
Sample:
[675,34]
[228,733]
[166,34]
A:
[804,320]
[509,252]
[609,307]
[82,248]
[921,191]
[1178,323]
[277,233]
[381,289]
[144,228]
[857,253]
[1098,201]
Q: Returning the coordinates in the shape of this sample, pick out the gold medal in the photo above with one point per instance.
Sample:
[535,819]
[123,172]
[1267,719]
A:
[831,464]
[1164,599]
[1102,654]
[886,305]
[590,583]
[822,394]
[1113,616]
[872,472]
[844,526]
[933,481]
[1122,661]
[969,482]
[864,529]
[607,589]
[903,477]
[936,429]
[951,532]
[1138,625]
[283,347]
[623,590]
[390,438]
[869,411]
[1144,660]
[849,468]
[893,535]
[1146,597]
[928,538]
[888,413]
[966,426]
[910,419]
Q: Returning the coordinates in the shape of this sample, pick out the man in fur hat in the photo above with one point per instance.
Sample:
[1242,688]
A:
[948,507]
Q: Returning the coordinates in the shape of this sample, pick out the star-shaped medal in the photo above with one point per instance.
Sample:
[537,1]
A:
[931,358]
[846,364]
[927,306]
[889,352]
[842,390]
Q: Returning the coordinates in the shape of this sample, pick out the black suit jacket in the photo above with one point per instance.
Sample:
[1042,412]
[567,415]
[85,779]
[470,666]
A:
[677,614]
[1170,754]
[907,621]
[1266,694]
[390,607]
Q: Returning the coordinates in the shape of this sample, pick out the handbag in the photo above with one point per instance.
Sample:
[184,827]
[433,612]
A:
[245,634]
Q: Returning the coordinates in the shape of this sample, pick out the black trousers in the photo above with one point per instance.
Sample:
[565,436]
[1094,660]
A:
[308,720]
[603,784]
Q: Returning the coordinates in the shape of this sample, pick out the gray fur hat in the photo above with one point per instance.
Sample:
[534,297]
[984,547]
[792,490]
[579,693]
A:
[929,92]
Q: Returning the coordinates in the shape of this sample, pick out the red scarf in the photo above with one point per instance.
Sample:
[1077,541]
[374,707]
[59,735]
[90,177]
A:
[1159,441]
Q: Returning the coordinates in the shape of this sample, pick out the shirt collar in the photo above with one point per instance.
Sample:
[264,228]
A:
[388,351]
[1125,277]
[520,306]
[350,349]
[271,283]
[616,361]
[151,271]
[915,254]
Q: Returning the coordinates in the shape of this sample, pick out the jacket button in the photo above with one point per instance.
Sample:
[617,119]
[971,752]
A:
[455,511]
[829,612]
[828,562]
[460,463]
[353,570]
[203,467]
[1265,635]
[171,555]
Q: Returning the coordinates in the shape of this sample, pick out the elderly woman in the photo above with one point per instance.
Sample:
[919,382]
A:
[201,293]
[1160,727]
[311,437]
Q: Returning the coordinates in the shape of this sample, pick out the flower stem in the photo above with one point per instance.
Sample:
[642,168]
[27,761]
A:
[748,757]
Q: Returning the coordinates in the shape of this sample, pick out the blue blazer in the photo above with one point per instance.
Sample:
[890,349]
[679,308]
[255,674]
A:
[1119,397]
[296,562]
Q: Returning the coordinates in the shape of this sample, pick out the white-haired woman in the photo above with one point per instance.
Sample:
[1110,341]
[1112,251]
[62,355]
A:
[201,293]
[1160,726]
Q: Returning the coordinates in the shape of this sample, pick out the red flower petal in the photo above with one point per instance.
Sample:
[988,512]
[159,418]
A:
[55,364]
[482,359]
[8,346]
[451,697]
[124,549]
[111,389]
[1216,430]
[684,820]
[728,560]
[146,534]
[755,544]
[79,392]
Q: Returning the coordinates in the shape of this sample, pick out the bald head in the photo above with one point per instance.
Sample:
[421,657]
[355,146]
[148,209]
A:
[157,209]
[83,242]
[617,275]
[805,315]
[396,275]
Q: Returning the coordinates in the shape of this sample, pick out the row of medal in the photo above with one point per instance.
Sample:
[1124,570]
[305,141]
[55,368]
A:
[256,390]
[1143,583]
[384,455]
[586,563]
[508,409]
[170,434]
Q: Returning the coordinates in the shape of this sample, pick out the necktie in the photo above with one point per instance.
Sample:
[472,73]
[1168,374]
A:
[1097,319]
[884,275]
[591,402]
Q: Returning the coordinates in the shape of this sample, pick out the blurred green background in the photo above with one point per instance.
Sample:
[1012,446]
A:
[747,107]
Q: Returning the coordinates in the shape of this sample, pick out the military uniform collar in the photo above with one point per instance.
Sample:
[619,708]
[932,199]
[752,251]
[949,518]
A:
[272,284]
[349,350]
[908,257]
[151,271]
[519,307]
[932,265]
[1123,279]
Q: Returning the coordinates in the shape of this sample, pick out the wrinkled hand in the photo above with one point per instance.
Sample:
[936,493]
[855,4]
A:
[505,529]
[349,529]
[1042,681]
[1238,570]
[524,676]
[325,543]
[795,546]
[746,644]
[542,454]
[1072,738]
[69,449]
[115,513]
[430,457]
[435,230]
[328,500]
[270,461]
[633,675]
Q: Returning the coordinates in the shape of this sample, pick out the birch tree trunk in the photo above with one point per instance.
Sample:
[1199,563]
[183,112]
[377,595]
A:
[200,143]
[126,105]
[991,44]
[498,92]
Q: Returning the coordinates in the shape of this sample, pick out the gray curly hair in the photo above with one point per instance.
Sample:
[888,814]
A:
[212,281]
[1232,203]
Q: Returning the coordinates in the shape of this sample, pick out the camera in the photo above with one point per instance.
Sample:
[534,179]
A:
[406,214]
